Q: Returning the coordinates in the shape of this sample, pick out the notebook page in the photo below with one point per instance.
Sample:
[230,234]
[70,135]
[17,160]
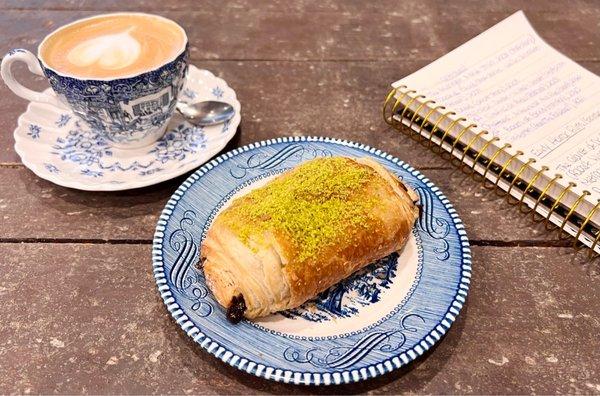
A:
[509,81]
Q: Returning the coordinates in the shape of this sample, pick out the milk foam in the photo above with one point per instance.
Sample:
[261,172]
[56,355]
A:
[113,45]
[110,51]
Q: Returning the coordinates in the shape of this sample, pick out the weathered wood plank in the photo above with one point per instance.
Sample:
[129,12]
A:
[70,322]
[331,6]
[410,30]
[338,99]
[82,318]
[288,98]
[33,208]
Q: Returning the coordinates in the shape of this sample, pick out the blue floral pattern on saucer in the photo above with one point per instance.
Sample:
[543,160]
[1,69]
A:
[56,145]
[379,319]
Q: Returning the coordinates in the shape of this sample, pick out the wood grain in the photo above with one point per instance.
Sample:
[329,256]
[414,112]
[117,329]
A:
[336,99]
[80,309]
[83,318]
[413,31]
[573,7]
[287,99]
[32,208]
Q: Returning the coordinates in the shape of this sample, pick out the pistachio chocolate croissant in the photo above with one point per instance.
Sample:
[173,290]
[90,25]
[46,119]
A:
[310,227]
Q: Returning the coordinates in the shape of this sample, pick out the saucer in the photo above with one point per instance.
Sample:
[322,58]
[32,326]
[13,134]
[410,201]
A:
[59,147]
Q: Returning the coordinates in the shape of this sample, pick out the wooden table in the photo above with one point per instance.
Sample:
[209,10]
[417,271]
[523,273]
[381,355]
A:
[80,311]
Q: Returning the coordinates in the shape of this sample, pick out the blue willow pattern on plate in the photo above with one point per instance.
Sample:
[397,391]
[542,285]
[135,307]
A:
[393,338]
[339,358]
[345,298]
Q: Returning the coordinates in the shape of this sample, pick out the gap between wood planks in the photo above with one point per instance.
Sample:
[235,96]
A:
[474,242]
[409,58]
[249,7]
[18,165]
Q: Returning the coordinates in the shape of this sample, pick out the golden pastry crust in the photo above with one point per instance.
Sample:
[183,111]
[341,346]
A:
[304,231]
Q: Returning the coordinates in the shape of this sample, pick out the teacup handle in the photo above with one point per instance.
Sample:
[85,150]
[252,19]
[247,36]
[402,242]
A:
[34,66]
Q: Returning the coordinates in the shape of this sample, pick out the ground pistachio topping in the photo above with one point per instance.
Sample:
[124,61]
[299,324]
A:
[311,205]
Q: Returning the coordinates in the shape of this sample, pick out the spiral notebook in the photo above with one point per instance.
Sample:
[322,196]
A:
[519,116]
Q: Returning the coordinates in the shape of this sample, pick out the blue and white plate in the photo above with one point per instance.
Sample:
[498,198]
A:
[59,147]
[379,319]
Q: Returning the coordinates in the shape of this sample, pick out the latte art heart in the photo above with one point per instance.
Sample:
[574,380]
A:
[112,51]
[113,45]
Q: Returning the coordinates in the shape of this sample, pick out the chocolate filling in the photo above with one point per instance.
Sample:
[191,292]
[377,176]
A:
[420,209]
[200,264]
[237,307]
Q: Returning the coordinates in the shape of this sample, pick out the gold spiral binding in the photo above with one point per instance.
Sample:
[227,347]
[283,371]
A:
[517,178]
[468,147]
[587,219]
[426,119]
[456,140]
[531,183]
[573,207]
[387,101]
[474,174]
[542,196]
[416,116]
[440,145]
[491,162]
[401,92]
[504,168]
[406,107]
[592,251]
[416,112]
[436,126]
[549,226]
[393,122]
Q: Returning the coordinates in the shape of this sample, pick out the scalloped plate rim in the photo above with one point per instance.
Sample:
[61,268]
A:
[309,377]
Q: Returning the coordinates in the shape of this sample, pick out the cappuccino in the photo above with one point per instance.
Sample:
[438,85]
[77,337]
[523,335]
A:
[113,46]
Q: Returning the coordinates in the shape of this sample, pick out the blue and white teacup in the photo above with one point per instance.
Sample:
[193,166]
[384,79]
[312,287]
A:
[130,112]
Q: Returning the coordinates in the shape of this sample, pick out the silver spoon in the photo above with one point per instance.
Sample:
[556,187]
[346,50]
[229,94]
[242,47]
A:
[206,113]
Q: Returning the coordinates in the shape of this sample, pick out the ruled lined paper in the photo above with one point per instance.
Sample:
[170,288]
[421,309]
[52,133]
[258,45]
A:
[510,82]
